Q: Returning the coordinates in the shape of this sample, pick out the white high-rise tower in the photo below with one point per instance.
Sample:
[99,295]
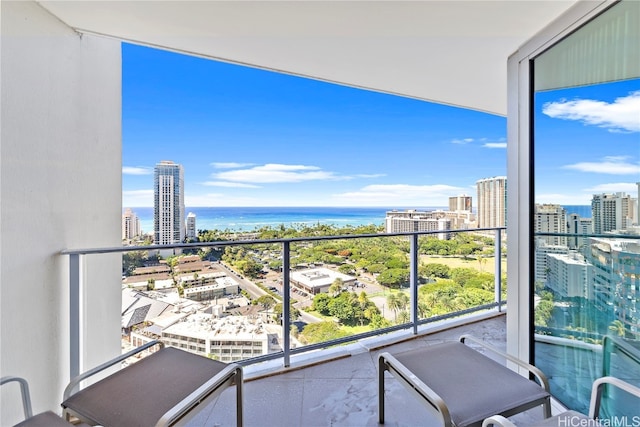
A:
[168,188]
[492,202]
[611,212]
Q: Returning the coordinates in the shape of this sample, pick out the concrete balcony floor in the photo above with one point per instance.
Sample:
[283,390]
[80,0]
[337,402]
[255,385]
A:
[342,391]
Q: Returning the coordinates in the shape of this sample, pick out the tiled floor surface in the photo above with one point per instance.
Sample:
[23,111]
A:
[342,392]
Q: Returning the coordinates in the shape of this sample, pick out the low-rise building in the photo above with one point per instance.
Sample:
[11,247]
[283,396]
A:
[227,339]
[215,288]
[317,280]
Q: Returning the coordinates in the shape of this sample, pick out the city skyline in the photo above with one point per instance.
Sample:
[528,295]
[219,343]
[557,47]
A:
[249,137]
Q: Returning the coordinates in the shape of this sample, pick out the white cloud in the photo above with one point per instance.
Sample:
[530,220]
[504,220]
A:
[462,141]
[622,115]
[628,187]
[486,142]
[229,184]
[277,173]
[401,195]
[136,170]
[495,145]
[614,165]
[230,165]
[137,198]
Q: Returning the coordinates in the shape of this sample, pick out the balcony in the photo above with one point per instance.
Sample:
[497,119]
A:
[333,382]
[62,141]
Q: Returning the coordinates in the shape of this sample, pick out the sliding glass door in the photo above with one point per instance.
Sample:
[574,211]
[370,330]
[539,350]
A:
[585,232]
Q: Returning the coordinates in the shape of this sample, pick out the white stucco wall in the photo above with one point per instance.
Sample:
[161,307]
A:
[60,188]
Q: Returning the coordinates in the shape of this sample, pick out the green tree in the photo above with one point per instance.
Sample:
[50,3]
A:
[294,313]
[344,307]
[543,312]
[434,270]
[393,277]
[321,303]
[378,322]
[266,301]
[346,269]
[320,332]
[463,275]
[336,287]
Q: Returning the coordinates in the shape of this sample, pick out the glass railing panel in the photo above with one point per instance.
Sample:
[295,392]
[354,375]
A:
[258,299]
[341,288]
[458,273]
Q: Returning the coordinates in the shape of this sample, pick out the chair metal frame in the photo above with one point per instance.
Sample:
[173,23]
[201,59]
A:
[425,394]
[231,374]
[597,392]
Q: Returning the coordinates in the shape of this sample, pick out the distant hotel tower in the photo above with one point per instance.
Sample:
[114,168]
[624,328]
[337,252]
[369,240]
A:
[550,218]
[612,212]
[492,202]
[191,226]
[460,203]
[168,189]
[130,225]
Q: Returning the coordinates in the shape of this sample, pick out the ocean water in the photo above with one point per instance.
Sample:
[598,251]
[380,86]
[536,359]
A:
[250,218]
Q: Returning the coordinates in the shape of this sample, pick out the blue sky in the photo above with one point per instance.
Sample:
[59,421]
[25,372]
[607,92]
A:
[587,142]
[248,137]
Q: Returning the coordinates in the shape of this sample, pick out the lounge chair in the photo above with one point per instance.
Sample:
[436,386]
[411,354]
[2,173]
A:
[573,418]
[161,389]
[461,385]
[44,419]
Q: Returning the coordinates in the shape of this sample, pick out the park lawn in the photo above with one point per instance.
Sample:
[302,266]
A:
[352,330]
[459,262]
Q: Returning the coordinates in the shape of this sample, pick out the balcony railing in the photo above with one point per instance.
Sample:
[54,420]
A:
[76,257]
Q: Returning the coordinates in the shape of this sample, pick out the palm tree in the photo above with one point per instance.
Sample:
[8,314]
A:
[423,309]
[403,317]
[394,304]
[617,327]
[336,287]
[403,300]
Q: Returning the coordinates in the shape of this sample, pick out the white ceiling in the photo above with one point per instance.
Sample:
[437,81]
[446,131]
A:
[453,52]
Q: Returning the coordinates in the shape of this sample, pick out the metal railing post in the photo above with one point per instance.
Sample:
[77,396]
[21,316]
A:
[498,269]
[413,283]
[74,315]
[286,301]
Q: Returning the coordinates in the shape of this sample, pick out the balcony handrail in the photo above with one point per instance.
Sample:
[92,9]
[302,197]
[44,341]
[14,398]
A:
[75,282]
[114,249]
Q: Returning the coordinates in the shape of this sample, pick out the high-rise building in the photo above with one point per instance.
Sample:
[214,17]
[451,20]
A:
[492,202]
[578,225]
[130,225]
[168,188]
[611,212]
[569,275]
[638,207]
[615,278]
[192,233]
[548,218]
[460,203]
